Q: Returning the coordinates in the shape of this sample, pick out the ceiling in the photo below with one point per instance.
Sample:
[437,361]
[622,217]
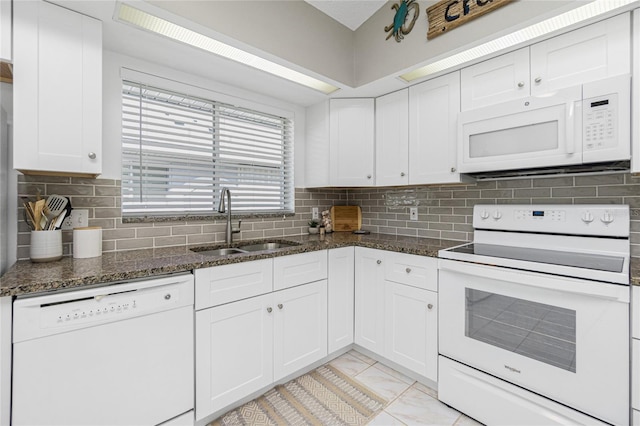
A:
[350,13]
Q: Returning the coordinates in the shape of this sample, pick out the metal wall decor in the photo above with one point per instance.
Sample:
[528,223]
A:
[399,29]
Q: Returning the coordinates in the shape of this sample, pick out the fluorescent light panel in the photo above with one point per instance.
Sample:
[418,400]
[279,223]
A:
[566,19]
[176,32]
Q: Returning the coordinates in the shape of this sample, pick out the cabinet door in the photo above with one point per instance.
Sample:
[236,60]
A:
[300,327]
[499,79]
[635,96]
[234,352]
[590,53]
[369,289]
[392,139]
[57,90]
[340,298]
[227,283]
[433,113]
[5,30]
[411,327]
[296,269]
[351,142]
[316,150]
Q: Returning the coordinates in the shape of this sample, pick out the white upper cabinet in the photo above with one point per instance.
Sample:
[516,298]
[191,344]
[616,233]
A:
[316,163]
[635,96]
[590,53]
[433,112]
[351,136]
[5,31]
[57,90]
[392,139]
[497,80]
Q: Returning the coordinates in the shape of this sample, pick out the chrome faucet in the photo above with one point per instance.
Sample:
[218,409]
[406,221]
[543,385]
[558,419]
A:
[221,209]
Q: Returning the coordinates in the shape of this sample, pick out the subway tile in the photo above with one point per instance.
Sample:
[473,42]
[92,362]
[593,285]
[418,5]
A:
[49,179]
[81,202]
[612,179]
[271,233]
[453,203]
[553,181]
[387,230]
[118,234]
[201,239]
[584,191]
[106,212]
[186,229]
[441,226]
[619,190]
[153,232]
[108,191]
[530,193]
[461,236]
[497,193]
[599,200]
[552,201]
[134,243]
[515,183]
[69,190]
[178,240]
[466,194]
[251,235]
[440,210]
[108,246]
[407,232]
[453,219]
[428,233]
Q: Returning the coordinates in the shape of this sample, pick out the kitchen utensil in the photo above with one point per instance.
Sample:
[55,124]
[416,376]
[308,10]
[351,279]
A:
[66,213]
[27,218]
[54,206]
[346,218]
[37,214]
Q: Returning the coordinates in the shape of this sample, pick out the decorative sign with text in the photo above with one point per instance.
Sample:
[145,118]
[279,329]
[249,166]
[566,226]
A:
[449,14]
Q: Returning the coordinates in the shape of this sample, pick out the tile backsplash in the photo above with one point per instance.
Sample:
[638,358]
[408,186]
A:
[443,212]
[101,197]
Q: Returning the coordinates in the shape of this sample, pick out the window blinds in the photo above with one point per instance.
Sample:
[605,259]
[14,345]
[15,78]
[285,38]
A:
[178,151]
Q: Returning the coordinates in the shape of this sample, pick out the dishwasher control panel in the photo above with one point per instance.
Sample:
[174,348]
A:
[39,316]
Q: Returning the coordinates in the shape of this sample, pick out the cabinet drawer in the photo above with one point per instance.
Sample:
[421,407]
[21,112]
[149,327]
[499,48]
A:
[635,373]
[289,271]
[413,270]
[224,284]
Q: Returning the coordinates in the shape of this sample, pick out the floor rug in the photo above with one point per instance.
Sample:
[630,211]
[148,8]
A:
[324,396]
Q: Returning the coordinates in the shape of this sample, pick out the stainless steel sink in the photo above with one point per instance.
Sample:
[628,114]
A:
[267,246]
[220,251]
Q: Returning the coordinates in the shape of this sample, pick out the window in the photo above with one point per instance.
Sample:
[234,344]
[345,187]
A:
[178,151]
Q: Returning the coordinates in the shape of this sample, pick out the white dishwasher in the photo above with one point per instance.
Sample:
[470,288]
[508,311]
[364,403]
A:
[114,355]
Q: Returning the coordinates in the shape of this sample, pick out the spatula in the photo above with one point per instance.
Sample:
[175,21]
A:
[56,204]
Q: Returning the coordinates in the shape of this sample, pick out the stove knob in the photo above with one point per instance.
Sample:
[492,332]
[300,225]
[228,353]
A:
[587,217]
[607,218]
[484,215]
[497,215]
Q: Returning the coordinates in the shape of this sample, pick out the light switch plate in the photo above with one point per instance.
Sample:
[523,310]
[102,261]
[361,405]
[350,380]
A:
[314,213]
[413,213]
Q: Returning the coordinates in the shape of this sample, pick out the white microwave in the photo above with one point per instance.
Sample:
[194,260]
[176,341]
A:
[584,124]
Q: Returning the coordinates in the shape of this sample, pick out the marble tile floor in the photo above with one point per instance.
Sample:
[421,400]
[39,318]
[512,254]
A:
[410,402]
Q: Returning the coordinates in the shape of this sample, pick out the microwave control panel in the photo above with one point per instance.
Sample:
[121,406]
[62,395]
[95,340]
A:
[600,120]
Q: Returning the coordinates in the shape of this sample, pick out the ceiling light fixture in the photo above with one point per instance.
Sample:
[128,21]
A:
[547,26]
[149,22]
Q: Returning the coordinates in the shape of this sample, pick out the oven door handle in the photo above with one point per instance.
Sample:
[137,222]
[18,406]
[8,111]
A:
[616,292]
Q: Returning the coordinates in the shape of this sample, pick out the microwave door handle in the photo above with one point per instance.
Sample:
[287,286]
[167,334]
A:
[570,133]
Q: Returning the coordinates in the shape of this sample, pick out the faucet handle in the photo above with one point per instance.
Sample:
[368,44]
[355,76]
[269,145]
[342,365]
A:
[237,230]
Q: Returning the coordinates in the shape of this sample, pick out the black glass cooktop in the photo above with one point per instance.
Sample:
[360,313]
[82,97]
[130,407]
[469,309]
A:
[552,257]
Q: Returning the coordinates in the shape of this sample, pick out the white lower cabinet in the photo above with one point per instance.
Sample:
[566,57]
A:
[300,327]
[396,316]
[340,293]
[234,352]
[369,303]
[411,328]
[246,345]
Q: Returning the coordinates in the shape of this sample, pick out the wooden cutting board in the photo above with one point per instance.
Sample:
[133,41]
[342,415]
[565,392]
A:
[346,218]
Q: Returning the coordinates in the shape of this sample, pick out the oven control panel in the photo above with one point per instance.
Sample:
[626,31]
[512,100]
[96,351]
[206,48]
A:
[591,219]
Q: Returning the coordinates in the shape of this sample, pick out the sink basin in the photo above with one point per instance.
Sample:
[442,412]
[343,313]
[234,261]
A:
[221,252]
[267,246]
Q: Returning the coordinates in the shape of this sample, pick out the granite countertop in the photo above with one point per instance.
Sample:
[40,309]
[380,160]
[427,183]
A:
[26,277]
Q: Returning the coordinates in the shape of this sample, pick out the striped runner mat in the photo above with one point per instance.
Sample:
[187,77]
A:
[324,396]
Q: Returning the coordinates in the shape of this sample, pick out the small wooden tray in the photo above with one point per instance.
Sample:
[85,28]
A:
[346,218]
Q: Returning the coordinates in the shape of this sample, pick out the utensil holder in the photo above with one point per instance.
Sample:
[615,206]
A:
[46,246]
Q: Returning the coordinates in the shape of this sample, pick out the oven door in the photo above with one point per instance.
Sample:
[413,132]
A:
[564,338]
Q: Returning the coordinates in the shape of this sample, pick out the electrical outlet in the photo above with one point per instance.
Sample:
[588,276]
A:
[78,219]
[314,213]
[413,213]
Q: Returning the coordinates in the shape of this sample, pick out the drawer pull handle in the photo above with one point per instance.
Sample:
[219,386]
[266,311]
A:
[402,174]
[279,305]
[269,309]
[408,270]
[368,176]
[92,155]
[538,79]
[521,84]
[429,306]
[379,262]
[167,296]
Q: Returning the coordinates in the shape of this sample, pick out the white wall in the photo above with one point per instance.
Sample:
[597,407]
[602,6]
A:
[112,108]
[8,182]
[292,30]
